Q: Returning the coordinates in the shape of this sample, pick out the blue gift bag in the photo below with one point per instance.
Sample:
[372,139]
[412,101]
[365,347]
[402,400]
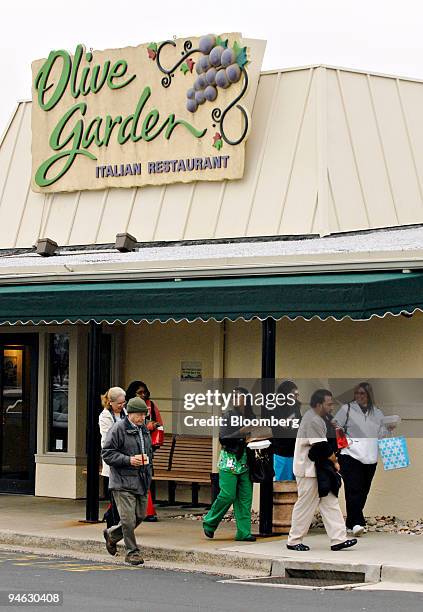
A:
[394,453]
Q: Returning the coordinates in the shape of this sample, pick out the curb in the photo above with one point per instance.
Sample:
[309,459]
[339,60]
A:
[217,560]
[220,562]
[392,573]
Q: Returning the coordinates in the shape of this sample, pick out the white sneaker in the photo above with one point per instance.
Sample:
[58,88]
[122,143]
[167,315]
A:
[358,530]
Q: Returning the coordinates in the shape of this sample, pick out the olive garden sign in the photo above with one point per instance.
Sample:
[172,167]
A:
[148,115]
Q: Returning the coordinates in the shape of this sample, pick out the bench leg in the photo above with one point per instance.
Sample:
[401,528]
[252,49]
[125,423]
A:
[153,491]
[171,487]
[171,495]
[195,489]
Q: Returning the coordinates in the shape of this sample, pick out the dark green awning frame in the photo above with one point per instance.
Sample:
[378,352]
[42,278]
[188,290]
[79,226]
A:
[358,296]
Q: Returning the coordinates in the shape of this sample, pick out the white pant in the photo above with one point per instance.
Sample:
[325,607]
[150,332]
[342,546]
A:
[305,509]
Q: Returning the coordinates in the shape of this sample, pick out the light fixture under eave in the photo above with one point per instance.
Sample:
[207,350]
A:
[46,247]
[125,242]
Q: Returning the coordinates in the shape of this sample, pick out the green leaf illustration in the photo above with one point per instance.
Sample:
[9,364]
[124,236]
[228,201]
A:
[218,144]
[152,46]
[236,47]
[241,58]
[184,68]
[240,54]
[221,43]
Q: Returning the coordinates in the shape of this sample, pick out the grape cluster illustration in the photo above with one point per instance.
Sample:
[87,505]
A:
[218,67]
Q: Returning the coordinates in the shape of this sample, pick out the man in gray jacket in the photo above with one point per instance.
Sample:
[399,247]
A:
[128,452]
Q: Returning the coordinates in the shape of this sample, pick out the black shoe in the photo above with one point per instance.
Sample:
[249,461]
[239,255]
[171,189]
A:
[208,532]
[346,544]
[111,546]
[134,559]
[152,518]
[248,538]
[300,547]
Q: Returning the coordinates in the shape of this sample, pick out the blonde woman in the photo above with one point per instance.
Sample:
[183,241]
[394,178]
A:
[113,402]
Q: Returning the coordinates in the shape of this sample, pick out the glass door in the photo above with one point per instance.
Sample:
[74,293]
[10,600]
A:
[18,408]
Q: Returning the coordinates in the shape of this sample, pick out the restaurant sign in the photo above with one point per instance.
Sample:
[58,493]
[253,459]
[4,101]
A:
[159,113]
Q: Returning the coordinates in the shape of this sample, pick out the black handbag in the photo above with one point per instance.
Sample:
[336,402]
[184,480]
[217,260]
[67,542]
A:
[260,464]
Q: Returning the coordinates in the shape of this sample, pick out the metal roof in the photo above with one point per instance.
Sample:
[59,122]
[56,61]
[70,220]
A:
[374,250]
[331,150]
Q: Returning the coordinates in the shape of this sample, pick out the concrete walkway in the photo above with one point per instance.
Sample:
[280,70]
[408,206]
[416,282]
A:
[55,525]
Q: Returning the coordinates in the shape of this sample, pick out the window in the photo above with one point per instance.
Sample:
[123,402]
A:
[58,393]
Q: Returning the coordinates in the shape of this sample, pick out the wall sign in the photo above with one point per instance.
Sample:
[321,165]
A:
[191,371]
[158,113]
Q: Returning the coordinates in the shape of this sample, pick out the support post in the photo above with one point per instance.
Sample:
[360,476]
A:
[268,376]
[93,434]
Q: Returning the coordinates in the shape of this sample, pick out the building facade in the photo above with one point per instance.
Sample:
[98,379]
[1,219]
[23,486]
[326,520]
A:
[321,235]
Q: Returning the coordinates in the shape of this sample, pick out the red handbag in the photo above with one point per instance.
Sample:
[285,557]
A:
[157,436]
[341,438]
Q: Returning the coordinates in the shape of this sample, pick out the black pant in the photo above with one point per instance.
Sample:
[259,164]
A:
[357,479]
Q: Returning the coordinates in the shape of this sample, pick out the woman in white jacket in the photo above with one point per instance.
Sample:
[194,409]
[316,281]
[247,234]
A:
[113,402]
[362,421]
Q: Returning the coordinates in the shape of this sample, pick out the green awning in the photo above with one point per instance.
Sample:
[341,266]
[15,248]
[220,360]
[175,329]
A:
[358,296]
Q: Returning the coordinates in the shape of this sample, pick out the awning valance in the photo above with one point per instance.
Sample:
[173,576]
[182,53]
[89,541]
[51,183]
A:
[358,296]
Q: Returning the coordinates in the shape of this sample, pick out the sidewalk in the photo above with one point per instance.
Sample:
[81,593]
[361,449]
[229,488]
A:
[54,525]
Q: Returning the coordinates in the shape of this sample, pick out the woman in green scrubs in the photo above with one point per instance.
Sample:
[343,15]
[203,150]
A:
[235,484]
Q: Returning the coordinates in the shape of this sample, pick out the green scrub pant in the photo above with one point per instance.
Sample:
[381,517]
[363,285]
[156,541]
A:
[236,490]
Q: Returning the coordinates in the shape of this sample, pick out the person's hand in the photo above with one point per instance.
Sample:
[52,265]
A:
[391,426]
[136,461]
[337,466]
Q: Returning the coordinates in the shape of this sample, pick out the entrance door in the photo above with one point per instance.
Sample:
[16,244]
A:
[18,412]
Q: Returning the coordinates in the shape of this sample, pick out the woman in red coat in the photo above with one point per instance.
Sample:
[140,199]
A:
[138,388]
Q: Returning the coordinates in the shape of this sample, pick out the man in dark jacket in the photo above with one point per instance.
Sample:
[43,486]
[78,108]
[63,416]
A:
[128,452]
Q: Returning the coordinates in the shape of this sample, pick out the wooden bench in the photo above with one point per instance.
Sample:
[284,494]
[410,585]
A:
[184,459]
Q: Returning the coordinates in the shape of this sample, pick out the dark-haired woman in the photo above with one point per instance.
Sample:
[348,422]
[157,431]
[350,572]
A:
[235,484]
[284,437]
[362,422]
[138,388]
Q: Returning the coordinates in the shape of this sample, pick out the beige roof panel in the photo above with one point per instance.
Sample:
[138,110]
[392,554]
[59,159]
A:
[331,150]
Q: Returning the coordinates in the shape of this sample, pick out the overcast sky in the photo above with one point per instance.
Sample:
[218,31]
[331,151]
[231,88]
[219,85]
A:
[376,35]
